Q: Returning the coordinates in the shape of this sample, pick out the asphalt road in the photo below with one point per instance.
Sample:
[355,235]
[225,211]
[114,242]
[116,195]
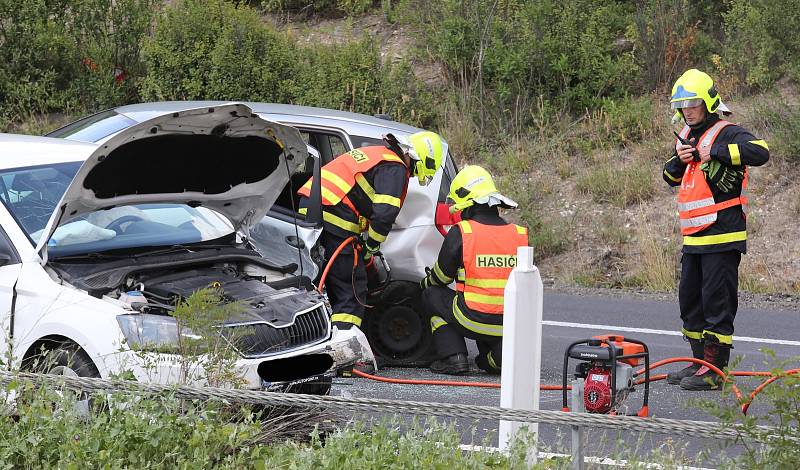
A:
[572,317]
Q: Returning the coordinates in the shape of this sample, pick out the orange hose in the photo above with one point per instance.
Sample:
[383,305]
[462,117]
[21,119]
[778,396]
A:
[746,406]
[330,262]
[711,367]
[448,383]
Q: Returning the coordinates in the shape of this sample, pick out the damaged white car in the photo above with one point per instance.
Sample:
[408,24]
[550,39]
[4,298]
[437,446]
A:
[99,242]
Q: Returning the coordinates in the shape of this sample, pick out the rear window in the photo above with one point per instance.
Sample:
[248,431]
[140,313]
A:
[94,128]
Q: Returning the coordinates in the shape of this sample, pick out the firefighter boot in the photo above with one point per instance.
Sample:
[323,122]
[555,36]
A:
[454,364]
[704,378]
[674,378]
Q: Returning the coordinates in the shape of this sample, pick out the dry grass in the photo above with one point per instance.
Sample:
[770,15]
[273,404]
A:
[656,266]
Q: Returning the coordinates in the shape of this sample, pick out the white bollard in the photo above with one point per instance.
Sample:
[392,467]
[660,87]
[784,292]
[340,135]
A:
[522,346]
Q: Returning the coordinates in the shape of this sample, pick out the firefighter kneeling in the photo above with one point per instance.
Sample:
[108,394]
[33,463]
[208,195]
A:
[479,253]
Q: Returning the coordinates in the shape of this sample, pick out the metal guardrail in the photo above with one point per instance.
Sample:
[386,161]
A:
[700,429]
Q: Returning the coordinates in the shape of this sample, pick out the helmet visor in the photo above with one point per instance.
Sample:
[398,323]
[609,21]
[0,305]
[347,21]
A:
[686,103]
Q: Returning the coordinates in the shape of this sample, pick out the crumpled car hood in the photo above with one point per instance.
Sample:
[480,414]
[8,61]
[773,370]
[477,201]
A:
[225,158]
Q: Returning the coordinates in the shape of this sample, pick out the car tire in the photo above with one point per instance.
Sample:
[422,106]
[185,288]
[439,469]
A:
[67,359]
[397,329]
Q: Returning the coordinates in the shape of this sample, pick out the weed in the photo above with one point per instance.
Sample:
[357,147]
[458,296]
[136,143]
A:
[656,265]
[618,184]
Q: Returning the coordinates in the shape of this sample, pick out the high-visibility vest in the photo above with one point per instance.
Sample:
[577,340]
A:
[696,206]
[344,172]
[489,256]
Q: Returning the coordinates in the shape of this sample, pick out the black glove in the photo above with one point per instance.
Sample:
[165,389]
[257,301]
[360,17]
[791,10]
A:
[722,176]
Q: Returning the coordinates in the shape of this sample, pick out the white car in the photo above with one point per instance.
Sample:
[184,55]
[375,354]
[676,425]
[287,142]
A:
[98,241]
[398,330]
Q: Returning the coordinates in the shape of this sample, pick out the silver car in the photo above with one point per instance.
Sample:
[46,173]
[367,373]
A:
[397,330]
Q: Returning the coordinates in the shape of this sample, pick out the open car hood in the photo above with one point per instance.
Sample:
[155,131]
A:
[224,158]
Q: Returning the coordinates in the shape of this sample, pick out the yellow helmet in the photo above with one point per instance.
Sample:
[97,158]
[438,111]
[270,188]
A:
[474,185]
[694,88]
[427,149]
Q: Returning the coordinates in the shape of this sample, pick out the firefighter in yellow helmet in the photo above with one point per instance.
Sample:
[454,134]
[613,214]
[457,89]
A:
[478,254]
[709,166]
[362,193]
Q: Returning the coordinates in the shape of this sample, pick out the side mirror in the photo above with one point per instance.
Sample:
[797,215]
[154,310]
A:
[314,214]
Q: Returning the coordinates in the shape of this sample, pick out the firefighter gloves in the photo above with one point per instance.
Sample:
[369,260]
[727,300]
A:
[722,176]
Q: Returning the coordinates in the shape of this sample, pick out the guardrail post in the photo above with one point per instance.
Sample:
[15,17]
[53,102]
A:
[577,431]
[522,346]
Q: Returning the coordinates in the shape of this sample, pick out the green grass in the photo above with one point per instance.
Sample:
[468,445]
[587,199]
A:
[619,184]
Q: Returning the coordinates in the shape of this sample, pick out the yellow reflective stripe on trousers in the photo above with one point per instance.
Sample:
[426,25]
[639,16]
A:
[715,239]
[346,318]
[480,328]
[736,157]
[723,339]
[437,322]
[440,275]
[692,334]
[380,238]
[486,283]
[336,180]
[340,222]
[483,299]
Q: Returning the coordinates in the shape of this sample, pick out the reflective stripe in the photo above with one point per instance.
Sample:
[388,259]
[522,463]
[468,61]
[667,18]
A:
[365,186]
[480,328]
[303,210]
[675,180]
[340,222]
[699,220]
[376,236]
[490,360]
[386,199]
[715,239]
[444,278]
[710,135]
[465,227]
[390,157]
[692,334]
[760,143]
[336,180]
[346,318]
[691,205]
[461,274]
[723,339]
[736,157]
[483,299]
[330,197]
[487,283]
[522,230]
[437,322]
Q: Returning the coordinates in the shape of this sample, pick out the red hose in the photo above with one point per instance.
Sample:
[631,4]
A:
[746,406]
[330,261]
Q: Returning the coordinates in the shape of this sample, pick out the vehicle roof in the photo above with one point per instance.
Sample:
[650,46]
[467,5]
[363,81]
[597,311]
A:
[28,150]
[144,111]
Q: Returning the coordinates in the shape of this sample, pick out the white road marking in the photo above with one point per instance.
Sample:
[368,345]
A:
[594,460]
[611,328]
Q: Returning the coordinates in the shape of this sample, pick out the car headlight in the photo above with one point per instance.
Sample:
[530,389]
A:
[158,333]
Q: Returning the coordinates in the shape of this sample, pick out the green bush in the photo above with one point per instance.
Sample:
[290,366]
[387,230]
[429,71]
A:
[347,7]
[762,41]
[214,49]
[60,55]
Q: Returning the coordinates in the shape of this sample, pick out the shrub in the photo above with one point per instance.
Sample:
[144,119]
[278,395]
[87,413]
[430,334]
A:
[762,41]
[213,49]
[347,7]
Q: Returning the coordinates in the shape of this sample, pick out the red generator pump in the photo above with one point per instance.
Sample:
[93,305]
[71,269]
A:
[606,366]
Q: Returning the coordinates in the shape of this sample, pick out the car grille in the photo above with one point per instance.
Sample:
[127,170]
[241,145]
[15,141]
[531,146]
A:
[260,339]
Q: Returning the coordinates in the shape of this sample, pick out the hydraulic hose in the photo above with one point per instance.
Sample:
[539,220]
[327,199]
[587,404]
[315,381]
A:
[336,252]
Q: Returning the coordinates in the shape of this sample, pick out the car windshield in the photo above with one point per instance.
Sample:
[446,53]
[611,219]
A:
[31,194]
[137,226]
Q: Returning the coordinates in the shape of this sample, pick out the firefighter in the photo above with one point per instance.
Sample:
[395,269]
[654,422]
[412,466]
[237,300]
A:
[362,193]
[479,254]
[710,167]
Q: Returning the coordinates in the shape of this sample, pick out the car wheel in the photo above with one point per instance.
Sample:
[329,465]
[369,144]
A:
[70,360]
[398,332]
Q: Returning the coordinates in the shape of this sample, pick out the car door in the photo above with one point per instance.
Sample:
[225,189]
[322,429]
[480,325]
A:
[10,268]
